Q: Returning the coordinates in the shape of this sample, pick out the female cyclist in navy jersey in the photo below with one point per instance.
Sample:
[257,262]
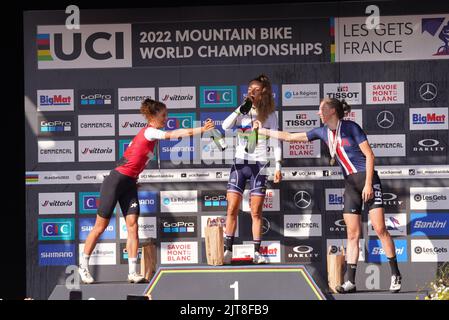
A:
[121,185]
[251,165]
[348,145]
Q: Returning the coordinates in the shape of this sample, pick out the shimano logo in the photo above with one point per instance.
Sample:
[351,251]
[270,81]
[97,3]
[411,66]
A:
[146,202]
[89,228]
[178,149]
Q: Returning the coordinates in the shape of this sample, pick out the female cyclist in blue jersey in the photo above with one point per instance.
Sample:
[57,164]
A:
[348,145]
[253,165]
[121,185]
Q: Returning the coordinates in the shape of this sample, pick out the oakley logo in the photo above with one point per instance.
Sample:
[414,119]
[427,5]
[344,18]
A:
[428,91]
[385,119]
[428,143]
[303,249]
[389,196]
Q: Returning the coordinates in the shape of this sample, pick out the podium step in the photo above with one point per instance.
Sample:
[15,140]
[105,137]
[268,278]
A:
[380,295]
[100,291]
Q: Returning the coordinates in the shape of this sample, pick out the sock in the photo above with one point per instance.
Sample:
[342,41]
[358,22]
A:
[394,266]
[84,261]
[229,241]
[132,264]
[257,244]
[351,272]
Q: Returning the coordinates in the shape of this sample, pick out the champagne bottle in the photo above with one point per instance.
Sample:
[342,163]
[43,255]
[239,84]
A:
[218,139]
[252,141]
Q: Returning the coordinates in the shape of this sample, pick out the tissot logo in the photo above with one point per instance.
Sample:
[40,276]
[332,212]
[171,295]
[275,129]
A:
[428,91]
[351,92]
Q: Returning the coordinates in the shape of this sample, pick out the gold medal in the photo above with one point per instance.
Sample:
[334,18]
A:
[332,162]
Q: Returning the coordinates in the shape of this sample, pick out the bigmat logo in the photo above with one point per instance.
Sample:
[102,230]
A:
[218,96]
[56,229]
[96,125]
[430,250]
[92,46]
[56,151]
[131,98]
[87,224]
[56,254]
[56,126]
[334,247]
[428,119]
[334,199]
[384,92]
[377,254]
[103,254]
[271,250]
[146,228]
[55,100]
[178,227]
[179,252]
[57,203]
[178,97]
[351,92]
[436,198]
[429,224]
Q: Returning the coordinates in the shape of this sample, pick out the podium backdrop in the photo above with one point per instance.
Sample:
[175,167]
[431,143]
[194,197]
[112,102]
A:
[82,93]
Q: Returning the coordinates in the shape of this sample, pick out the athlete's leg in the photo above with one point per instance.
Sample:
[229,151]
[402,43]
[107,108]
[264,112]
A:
[256,216]
[234,200]
[100,225]
[132,243]
[378,222]
[354,231]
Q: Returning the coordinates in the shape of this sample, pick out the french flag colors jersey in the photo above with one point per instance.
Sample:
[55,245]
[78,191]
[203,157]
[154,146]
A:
[140,151]
[348,152]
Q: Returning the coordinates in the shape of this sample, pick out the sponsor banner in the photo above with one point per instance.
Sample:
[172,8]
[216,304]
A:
[148,202]
[302,198]
[428,144]
[124,254]
[130,124]
[56,151]
[274,90]
[430,250]
[103,254]
[55,126]
[177,151]
[92,46]
[55,100]
[87,224]
[123,144]
[425,93]
[301,94]
[394,199]
[335,224]
[231,42]
[303,251]
[213,200]
[271,250]
[333,246]
[218,118]
[96,125]
[56,254]
[430,198]
[218,97]
[429,224]
[299,121]
[178,97]
[56,229]
[271,201]
[335,199]
[304,225]
[386,120]
[147,228]
[93,99]
[271,226]
[131,98]
[220,220]
[392,145]
[295,149]
[179,201]
[428,118]
[179,252]
[89,202]
[405,37]
[56,203]
[356,116]
[351,92]
[396,224]
[384,92]
[377,254]
[178,227]
[96,150]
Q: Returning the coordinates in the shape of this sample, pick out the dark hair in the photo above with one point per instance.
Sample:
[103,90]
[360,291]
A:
[266,105]
[342,107]
[151,107]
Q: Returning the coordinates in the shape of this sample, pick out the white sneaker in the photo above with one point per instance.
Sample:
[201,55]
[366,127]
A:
[227,257]
[135,278]
[347,287]
[395,285]
[85,275]
[259,259]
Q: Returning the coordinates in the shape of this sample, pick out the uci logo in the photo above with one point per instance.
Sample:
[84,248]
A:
[92,46]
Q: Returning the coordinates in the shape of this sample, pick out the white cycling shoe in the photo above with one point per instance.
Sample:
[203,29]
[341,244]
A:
[85,275]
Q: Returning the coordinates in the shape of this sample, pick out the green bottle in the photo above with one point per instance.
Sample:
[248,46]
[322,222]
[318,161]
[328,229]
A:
[252,141]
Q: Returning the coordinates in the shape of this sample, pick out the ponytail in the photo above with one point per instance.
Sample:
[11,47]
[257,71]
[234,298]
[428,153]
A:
[342,107]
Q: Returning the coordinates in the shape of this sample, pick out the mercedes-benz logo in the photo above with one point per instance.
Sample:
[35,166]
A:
[428,91]
[265,225]
[385,119]
[302,199]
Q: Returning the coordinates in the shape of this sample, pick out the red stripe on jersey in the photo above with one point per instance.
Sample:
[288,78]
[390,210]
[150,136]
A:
[343,160]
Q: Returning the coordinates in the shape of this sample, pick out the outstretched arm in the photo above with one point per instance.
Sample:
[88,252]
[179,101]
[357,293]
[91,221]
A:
[179,133]
[281,135]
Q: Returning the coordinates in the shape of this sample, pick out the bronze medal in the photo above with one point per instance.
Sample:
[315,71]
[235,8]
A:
[332,162]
